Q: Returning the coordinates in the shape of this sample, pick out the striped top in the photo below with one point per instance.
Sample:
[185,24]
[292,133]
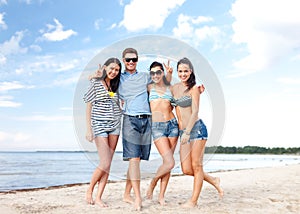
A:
[106,112]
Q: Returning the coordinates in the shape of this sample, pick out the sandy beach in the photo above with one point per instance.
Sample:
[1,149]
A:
[261,190]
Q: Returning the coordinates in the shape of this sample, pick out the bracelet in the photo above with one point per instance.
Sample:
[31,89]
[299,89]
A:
[187,133]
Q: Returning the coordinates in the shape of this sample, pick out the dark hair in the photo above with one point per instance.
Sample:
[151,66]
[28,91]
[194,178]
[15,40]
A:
[129,50]
[158,64]
[192,80]
[114,83]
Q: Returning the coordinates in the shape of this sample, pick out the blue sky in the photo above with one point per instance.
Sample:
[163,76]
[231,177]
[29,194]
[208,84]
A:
[252,45]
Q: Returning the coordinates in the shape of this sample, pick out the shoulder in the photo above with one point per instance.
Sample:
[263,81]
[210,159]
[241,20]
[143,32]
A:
[175,85]
[150,86]
[195,90]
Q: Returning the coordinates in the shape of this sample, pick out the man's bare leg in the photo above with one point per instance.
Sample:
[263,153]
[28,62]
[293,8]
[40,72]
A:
[134,176]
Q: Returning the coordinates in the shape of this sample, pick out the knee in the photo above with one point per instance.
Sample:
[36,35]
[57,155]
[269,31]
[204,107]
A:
[105,166]
[169,163]
[187,170]
[197,166]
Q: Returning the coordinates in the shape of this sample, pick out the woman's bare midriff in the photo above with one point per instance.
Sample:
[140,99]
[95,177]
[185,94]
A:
[161,110]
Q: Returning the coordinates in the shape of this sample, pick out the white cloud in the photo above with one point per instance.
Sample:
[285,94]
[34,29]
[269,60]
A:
[289,81]
[3,59]
[46,118]
[56,32]
[192,29]
[2,22]
[269,29]
[2,2]
[67,81]
[97,24]
[7,86]
[144,14]
[12,46]
[14,137]
[6,101]
[51,64]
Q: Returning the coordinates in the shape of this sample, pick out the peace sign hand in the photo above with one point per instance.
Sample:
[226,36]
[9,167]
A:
[98,73]
[167,67]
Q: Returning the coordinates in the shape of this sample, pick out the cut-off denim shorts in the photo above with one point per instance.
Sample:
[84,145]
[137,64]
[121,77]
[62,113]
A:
[136,137]
[165,129]
[198,132]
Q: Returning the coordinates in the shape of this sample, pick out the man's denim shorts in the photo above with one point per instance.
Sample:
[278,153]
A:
[165,129]
[198,132]
[136,137]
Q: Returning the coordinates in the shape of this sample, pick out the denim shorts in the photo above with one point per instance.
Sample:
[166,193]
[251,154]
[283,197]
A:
[198,132]
[165,129]
[136,137]
[115,131]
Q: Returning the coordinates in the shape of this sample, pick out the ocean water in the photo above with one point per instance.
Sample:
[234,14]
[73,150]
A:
[27,170]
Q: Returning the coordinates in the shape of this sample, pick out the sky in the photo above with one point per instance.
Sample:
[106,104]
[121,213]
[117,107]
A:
[253,47]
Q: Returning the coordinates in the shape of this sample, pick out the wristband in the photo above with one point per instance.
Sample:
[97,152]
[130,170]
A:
[187,133]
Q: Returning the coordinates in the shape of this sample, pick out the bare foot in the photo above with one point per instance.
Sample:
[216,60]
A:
[100,203]
[128,199]
[150,190]
[89,197]
[162,201]
[218,187]
[189,204]
[137,204]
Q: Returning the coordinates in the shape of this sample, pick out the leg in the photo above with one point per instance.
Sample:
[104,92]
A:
[98,173]
[165,150]
[187,169]
[134,176]
[127,197]
[106,148]
[197,152]
[215,181]
[166,177]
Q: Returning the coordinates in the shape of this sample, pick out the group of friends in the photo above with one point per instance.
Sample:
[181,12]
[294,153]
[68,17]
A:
[144,101]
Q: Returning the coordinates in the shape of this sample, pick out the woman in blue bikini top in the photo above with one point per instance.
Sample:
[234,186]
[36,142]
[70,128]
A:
[164,126]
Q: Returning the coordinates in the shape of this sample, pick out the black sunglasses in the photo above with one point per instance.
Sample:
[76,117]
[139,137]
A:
[158,72]
[131,59]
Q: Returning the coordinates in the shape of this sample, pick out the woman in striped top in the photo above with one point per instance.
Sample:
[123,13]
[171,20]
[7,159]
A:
[103,121]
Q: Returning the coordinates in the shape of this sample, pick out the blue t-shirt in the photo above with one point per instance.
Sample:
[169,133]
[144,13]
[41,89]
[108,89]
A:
[133,91]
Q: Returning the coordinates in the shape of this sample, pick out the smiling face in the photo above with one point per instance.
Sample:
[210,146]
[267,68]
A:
[157,74]
[112,70]
[184,72]
[130,62]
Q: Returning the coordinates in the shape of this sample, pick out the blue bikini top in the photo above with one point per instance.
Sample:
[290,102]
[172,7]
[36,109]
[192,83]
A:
[153,95]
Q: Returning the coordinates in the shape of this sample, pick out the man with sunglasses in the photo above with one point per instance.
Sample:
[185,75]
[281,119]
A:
[136,129]
[136,132]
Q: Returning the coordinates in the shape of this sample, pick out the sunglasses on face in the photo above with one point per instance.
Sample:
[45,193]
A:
[131,59]
[158,72]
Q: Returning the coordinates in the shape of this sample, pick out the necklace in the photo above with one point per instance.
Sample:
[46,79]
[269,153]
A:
[108,87]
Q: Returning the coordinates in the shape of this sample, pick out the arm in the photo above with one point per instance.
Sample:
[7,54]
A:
[89,132]
[98,73]
[169,71]
[195,94]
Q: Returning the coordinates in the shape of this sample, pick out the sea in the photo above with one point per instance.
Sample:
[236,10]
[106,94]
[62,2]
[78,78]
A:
[43,169]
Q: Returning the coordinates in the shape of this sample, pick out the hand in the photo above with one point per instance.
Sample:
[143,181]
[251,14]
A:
[167,67]
[184,138]
[89,135]
[98,73]
[201,88]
